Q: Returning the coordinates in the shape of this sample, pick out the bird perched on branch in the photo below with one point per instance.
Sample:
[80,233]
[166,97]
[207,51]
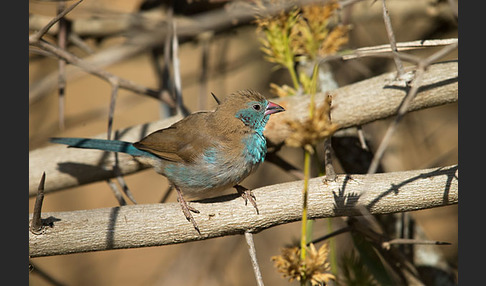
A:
[205,152]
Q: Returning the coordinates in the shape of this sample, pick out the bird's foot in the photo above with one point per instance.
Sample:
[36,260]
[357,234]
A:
[247,196]
[187,209]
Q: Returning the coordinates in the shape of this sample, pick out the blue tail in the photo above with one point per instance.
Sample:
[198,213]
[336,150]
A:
[102,144]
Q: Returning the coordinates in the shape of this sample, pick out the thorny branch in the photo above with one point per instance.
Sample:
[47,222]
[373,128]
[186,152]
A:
[59,52]
[391,38]
[404,106]
[37,36]
[161,224]
[107,76]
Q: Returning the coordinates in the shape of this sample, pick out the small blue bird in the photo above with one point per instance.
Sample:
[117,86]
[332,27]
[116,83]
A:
[204,153]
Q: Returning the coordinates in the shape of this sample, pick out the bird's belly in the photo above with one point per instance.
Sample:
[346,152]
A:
[213,172]
[206,180]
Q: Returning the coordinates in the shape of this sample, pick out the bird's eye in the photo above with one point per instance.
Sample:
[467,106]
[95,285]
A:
[257,107]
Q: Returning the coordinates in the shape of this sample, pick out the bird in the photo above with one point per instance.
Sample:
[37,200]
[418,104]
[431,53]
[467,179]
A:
[204,153]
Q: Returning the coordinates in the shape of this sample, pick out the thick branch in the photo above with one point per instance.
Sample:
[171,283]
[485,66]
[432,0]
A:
[161,224]
[355,104]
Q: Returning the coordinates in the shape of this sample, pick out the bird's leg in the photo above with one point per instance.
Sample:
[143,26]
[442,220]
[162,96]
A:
[247,196]
[186,209]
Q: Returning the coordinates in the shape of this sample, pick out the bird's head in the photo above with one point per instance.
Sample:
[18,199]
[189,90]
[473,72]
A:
[250,107]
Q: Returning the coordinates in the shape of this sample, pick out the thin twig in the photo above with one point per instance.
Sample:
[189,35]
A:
[382,50]
[114,93]
[79,42]
[205,40]
[391,38]
[439,54]
[36,225]
[123,183]
[37,36]
[404,46]
[387,244]
[405,104]
[329,235]
[362,139]
[176,70]
[62,42]
[254,261]
[393,125]
[165,80]
[116,192]
[74,60]
[367,226]
[119,177]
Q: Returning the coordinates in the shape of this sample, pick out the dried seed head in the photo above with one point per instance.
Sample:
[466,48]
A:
[308,133]
[314,269]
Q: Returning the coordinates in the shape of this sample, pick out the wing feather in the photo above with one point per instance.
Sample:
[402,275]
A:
[182,142]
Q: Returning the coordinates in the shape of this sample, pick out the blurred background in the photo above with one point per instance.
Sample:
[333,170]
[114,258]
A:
[233,61]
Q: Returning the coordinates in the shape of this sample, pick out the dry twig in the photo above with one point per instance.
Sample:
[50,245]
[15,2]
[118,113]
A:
[391,38]
[253,258]
[107,76]
[405,104]
[37,36]
[62,42]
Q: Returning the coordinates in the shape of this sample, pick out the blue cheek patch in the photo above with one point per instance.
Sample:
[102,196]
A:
[253,118]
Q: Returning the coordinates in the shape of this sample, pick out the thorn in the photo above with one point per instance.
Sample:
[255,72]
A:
[215,98]
[36,225]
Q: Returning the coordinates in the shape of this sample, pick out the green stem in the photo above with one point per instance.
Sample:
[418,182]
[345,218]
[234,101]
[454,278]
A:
[290,62]
[313,90]
[332,248]
[307,167]
[293,75]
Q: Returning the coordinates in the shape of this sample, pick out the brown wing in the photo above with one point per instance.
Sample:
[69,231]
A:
[181,142]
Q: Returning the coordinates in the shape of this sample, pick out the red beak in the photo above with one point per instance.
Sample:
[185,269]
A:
[273,108]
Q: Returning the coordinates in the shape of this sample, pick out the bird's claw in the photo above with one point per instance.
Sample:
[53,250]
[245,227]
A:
[247,195]
[187,209]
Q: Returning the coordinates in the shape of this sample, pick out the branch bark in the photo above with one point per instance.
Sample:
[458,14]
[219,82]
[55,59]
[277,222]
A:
[353,105]
[147,225]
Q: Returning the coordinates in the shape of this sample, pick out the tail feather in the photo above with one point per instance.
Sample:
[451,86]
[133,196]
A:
[102,144]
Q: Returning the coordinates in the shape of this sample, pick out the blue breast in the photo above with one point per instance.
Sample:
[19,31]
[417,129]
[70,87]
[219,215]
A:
[256,148]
